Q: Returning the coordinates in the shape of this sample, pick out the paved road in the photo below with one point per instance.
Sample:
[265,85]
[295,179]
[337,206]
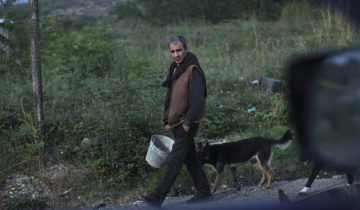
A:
[251,197]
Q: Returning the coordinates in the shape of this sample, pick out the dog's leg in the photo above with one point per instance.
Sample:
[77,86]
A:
[265,161]
[268,175]
[314,172]
[262,178]
[220,166]
[262,171]
[266,172]
[217,181]
[236,182]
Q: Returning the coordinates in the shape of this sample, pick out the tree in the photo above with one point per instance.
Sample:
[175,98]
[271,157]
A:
[36,65]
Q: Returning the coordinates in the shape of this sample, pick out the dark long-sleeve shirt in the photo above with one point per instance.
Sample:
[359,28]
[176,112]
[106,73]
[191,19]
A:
[196,97]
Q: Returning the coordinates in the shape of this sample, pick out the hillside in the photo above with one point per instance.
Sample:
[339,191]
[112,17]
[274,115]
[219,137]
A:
[81,9]
[94,8]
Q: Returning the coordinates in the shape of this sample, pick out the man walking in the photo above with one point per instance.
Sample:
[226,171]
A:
[184,110]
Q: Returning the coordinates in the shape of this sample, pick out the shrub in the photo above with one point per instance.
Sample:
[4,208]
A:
[103,84]
[21,145]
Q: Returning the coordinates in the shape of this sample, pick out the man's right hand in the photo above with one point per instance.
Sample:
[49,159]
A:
[167,127]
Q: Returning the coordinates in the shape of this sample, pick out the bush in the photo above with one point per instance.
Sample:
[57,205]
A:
[100,92]
[93,88]
[104,84]
[21,144]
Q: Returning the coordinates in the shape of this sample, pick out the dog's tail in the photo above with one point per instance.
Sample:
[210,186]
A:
[285,141]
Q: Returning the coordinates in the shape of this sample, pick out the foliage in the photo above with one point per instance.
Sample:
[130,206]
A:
[101,96]
[127,10]
[5,6]
[20,143]
[74,53]
[88,12]
[93,88]
[17,58]
[18,203]
[102,82]
[213,11]
[21,202]
[262,9]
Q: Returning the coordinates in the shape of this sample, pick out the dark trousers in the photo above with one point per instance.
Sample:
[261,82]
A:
[316,169]
[183,151]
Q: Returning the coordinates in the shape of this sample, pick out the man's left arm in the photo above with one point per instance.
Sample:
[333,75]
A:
[196,98]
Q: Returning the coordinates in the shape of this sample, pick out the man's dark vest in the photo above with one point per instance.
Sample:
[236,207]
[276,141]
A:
[179,102]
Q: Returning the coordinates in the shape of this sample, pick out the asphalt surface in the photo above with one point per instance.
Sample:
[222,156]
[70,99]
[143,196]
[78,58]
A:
[249,197]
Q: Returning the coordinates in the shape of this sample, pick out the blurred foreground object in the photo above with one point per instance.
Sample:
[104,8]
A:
[325,100]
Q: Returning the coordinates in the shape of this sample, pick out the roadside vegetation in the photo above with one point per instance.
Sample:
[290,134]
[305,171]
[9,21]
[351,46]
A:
[101,81]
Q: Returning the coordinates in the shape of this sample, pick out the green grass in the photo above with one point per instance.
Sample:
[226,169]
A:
[103,82]
[249,50]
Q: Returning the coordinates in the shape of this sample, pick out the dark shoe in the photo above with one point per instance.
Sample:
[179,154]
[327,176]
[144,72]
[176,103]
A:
[152,199]
[200,197]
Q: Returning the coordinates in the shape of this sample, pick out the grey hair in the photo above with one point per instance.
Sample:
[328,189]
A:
[176,39]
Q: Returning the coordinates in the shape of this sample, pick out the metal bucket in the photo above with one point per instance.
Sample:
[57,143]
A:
[159,149]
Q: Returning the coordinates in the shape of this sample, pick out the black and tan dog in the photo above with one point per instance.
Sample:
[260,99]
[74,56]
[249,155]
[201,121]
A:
[230,154]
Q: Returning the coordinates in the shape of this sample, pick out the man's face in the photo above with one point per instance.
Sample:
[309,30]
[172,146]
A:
[177,52]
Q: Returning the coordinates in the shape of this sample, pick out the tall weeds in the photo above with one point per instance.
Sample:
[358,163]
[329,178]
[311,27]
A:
[103,83]
[334,29]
